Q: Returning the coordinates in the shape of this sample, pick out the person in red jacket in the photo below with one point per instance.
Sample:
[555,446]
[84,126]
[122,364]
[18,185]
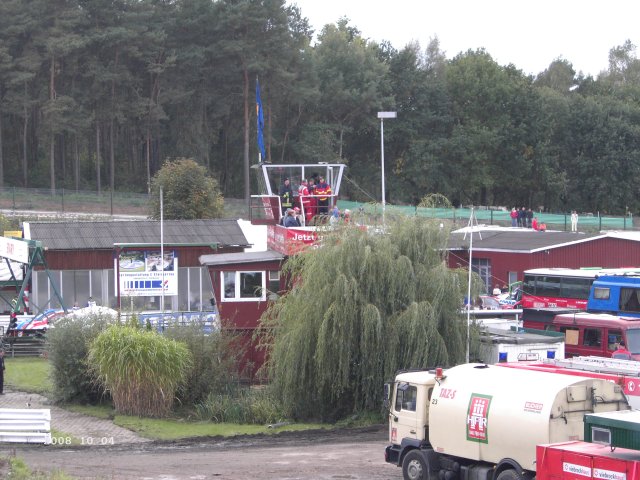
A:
[305,201]
[621,353]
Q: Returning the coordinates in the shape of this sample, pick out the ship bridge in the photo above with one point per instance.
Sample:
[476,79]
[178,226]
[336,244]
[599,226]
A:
[267,206]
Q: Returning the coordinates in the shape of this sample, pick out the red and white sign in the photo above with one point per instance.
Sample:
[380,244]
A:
[14,249]
[290,240]
[533,407]
[477,418]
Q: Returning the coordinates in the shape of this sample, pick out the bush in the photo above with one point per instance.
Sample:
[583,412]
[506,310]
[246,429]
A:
[215,360]
[142,369]
[243,406]
[68,349]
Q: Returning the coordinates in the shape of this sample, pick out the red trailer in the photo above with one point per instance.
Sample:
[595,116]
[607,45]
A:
[582,460]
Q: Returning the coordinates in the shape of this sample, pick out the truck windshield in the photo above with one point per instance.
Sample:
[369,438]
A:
[633,340]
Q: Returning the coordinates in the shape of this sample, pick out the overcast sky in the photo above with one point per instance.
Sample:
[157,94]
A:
[530,34]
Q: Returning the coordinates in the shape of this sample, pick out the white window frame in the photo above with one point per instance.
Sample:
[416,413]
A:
[237,297]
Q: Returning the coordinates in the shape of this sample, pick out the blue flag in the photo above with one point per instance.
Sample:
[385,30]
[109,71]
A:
[260,119]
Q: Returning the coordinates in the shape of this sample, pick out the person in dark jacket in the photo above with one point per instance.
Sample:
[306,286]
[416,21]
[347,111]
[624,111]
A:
[2,369]
[286,196]
[529,218]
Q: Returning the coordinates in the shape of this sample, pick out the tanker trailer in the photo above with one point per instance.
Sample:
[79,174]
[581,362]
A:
[476,422]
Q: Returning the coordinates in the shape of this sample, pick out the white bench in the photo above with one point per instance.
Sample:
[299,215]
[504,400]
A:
[22,425]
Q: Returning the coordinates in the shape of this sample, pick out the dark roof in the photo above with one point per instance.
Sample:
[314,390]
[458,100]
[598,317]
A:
[103,235]
[517,240]
[241,257]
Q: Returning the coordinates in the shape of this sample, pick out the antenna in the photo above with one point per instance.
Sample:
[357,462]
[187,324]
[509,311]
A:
[472,220]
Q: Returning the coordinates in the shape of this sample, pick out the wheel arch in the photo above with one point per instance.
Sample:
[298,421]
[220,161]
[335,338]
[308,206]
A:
[508,464]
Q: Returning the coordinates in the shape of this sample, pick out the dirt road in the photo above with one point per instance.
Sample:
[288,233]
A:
[343,455]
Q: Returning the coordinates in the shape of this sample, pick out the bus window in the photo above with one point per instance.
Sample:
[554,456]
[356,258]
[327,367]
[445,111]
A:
[613,339]
[572,287]
[601,293]
[548,286]
[629,299]
[592,337]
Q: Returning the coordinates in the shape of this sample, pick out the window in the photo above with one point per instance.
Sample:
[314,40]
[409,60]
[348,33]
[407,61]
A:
[575,288]
[274,284]
[592,337]
[613,339]
[629,299]
[406,396]
[548,286]
[482,266]
[601,293]
[243,286]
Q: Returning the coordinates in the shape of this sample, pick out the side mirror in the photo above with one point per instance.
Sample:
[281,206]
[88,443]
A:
[387,395]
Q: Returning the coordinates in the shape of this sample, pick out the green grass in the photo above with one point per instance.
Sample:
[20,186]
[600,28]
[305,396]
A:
[32,375]
[173,429]
[18,470]
[28,374]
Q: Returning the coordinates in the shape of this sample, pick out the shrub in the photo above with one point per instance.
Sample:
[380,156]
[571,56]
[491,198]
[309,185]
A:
[69,344]
[141,369]
[242,406]
[214,368]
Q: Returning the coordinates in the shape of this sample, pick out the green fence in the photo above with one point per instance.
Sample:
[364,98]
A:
[486,216]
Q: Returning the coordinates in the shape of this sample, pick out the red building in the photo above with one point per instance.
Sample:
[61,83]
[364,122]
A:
[501,255]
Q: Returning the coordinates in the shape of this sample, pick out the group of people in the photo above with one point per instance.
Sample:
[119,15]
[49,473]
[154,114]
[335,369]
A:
[524,218]
[313,198]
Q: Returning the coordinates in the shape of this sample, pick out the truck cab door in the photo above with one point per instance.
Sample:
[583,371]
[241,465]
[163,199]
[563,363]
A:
[407,413]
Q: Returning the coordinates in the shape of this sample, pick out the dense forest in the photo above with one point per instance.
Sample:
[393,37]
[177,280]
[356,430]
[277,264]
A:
[97,94]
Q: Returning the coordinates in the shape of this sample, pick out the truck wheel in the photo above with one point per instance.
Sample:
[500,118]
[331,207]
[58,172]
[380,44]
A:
[414,466]
[510,474]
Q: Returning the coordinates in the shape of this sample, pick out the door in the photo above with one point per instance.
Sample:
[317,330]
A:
[403,417]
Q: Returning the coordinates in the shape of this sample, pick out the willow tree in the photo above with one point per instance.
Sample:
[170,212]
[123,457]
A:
[359,308]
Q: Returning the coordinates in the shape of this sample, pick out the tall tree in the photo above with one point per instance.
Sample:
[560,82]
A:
[372,304]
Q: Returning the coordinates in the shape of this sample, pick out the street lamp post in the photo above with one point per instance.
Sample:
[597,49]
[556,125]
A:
[382,116]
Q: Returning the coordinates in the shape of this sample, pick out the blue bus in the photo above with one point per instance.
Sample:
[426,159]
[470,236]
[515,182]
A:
[616,294]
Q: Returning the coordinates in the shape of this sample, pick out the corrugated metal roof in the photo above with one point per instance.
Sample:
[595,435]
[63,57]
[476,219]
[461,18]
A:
[240,257]
[103,235]
[517,240]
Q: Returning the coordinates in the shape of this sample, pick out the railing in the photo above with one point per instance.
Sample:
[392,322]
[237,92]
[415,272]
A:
[19,425]
[494,216]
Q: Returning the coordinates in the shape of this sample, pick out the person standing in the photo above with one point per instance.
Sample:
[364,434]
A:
[529,218]
[286,196]
[323,192]
[514,217]
[574,221]
[2,369]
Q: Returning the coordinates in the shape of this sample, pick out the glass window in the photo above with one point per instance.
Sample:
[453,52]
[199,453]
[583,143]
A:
[592,337]
[244,286]
[406,396]
[96,287]
[195,290]
[274,284]
[613,339]
[630,299]
[575,288]
[529,284]
[633,340]
[251,284]
[482,266]
[601,293]
[183,288]
[81,289]
[229,284]
[548,286]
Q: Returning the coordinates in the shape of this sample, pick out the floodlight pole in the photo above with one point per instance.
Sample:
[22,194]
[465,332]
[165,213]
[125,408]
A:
[382,116]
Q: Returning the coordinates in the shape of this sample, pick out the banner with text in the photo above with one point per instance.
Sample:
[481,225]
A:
[143,273]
